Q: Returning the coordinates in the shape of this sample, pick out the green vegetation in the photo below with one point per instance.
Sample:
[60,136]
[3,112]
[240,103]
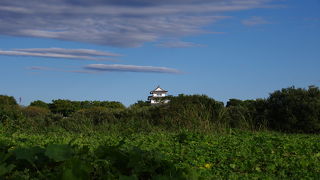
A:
[191,137]
[161,155]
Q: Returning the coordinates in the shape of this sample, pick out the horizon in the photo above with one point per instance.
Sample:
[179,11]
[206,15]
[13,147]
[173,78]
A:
[120,50]
[224,102]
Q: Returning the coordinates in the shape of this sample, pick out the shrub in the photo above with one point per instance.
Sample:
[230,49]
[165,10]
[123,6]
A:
[9,109]
[247,115]
[140,104]
[191,111]
[67,107]
[295,110]
[64,107]
[99,115]
[40,104]
[7,101]
[34,111]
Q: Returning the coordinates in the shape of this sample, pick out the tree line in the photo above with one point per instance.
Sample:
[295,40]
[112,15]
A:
[291,110]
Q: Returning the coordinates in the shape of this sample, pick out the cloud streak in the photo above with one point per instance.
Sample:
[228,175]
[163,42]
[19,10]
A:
[80,54]
[84,52]
[130,68]
[120,23]
[101,68]
[41,68]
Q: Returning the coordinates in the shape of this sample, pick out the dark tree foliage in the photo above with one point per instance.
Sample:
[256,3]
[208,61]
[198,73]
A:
[193,110]
[99,115]
[295,110]
[259,114]
[238,114]
[39,103]
[108,104]
[67,107]
[35,111]
[183,111]
[9,109]
[105,104]
[7,101]
[249,114]
[288,110]
[140,104]
[234,102]
[64,107]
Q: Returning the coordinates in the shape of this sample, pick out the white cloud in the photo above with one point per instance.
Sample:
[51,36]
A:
[41,68]
[81,54]
[89,52]
[122,23]
[130,68]
[100,68]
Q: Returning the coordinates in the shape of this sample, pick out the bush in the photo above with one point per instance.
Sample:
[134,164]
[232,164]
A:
[99,115]
[64,107]
[191,112]
[7,101]
[295,110]
[67,107]
[140,104]
[40,104]
[9,109]
[34,111]
[247,115]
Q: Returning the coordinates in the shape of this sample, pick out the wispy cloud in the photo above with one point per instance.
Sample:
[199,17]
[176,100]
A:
[130,68]
[178,44]
[80,54]
[84,52]
[122,23]
[41,68]
[100,68]
[255,20]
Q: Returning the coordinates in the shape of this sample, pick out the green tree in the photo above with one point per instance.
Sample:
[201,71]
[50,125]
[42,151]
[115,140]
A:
[140,104]
[98,115]
[7,101]
[248,114]
[35,111]
[9,109]
[64,107]
[295,110]
[39,103]
[192,111]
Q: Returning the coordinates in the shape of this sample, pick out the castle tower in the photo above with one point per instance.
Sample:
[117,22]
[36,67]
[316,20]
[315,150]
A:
[158,96]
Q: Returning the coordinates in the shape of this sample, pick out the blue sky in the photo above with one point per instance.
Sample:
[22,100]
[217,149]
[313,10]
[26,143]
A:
[120,50]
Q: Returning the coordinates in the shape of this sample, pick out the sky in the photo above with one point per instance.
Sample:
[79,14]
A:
[120,50]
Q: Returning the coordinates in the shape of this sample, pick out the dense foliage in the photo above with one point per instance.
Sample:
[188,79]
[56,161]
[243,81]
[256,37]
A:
[295,110]
[289,110]
[191,137]
[9,109]
[67,107]
[181,155]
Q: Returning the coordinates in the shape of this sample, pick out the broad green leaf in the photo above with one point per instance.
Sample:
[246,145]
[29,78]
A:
[29,154]
[59,152]
[5,169]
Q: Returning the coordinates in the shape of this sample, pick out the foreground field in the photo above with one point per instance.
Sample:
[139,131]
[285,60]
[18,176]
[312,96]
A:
[160,155]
